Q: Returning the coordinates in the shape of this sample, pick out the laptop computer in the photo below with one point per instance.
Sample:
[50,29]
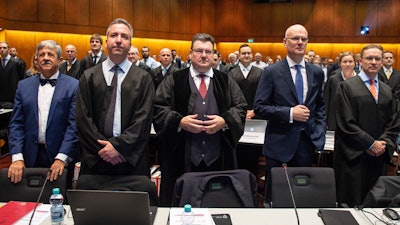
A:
[110,207]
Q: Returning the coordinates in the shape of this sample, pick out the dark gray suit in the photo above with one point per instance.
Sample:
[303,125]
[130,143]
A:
[393,81]
[73,71]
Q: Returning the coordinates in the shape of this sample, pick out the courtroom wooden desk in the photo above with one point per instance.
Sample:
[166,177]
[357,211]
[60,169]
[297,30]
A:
[263,216]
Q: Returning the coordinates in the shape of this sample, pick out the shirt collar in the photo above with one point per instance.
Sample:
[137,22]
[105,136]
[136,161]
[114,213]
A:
[8,57]
[54,76]
[365,78]
[124,65]
[293,63]
[98,55]
[167,67]
[194,72]
[386,69]
[245,68]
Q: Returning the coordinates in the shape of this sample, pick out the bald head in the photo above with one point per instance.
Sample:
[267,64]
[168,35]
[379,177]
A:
[165,57]
[70,52]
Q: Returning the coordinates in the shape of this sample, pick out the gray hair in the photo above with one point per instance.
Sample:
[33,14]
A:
[120,21]
[51,45]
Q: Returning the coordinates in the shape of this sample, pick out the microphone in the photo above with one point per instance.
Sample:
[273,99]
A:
[40,195]
[284,165]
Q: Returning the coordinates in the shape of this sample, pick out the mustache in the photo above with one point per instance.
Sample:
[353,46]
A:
[46,62]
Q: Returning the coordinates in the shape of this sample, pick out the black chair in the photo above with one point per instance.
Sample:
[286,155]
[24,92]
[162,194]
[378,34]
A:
[228,189]
[29,188]
[384,193]
[313,187]
[119,183]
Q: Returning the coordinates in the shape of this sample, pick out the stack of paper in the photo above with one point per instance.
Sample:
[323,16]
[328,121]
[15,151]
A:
[201,216]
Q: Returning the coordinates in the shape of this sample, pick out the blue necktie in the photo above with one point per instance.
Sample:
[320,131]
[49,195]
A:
[299,84]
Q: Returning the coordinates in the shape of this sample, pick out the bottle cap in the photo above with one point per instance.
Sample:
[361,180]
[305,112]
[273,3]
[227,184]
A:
[56,191]
[188,208]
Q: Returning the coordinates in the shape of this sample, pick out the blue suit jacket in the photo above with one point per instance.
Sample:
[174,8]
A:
[275,95]
[61,131]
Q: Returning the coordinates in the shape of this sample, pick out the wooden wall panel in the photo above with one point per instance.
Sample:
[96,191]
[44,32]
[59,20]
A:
[322,19]
[24,42]
[122,9]
[177,17]
[76,12]
[302,12]
[225,18]
[242,18]
[161,15]
[207,24]
[194,16]
[343,18]
[24,10]
[51,11]
[282,17]
[366,14]
[262,19]
[387,24]
[101,12]
[142,11]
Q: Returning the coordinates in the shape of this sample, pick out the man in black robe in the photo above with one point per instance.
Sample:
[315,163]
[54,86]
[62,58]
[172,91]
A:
[367,124]
[121,149]
[199,113]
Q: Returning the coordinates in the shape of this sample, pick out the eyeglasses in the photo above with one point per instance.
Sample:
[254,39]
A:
[201,51]
[370,59]
[297,39]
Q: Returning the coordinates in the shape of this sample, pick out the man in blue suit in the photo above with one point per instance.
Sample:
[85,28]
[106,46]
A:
[289,96]
[42,128]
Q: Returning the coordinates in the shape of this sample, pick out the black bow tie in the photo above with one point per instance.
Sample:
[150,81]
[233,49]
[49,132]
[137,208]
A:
[50,81]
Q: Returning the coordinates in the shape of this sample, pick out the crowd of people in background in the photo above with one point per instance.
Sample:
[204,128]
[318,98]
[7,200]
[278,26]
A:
[198,107]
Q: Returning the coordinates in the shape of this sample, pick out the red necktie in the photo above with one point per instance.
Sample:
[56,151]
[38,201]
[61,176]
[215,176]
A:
[372,88]
[202,88]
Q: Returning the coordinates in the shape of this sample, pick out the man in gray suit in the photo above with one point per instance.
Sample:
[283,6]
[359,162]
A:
[71,65]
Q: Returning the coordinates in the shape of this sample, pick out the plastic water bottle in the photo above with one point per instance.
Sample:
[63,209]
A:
[187,216]
[57,208]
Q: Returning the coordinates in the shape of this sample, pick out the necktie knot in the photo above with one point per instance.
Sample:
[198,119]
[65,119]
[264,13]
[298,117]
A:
[52,82]
[94,59]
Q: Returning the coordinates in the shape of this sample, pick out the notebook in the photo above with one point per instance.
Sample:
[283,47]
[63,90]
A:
[110,207]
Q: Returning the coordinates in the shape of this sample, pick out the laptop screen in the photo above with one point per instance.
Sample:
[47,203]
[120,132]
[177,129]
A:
[110,207]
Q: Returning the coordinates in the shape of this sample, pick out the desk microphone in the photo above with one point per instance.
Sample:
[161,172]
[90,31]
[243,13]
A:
[284,165]
[40,195]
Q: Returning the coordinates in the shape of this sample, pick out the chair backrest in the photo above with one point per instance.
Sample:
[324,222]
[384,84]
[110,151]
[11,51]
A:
[29,188]
[383,193]
[228,189]
[312,187]
[119,183]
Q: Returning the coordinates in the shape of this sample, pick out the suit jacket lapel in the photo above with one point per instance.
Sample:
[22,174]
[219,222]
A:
[34,95]
[56,97]
[287,76]
[310,79]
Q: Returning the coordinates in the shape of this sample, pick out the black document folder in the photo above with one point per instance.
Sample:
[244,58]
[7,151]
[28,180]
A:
[337,217]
